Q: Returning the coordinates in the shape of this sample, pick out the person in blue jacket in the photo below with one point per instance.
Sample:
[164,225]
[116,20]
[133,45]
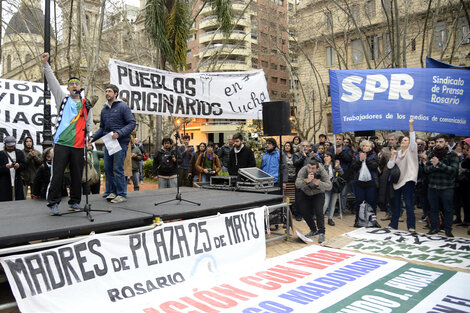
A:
[116,117]
[270,162]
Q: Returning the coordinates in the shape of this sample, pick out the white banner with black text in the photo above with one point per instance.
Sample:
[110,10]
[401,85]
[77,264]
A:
[214,95]
[107,273]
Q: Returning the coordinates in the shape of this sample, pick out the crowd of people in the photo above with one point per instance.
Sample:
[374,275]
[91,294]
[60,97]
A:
[399,175]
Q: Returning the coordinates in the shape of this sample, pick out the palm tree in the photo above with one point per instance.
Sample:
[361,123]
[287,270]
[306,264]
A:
[167,23]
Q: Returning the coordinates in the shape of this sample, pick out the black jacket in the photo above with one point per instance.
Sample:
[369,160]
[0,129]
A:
[159,170]
[41,181]
[244,158]
[5,178]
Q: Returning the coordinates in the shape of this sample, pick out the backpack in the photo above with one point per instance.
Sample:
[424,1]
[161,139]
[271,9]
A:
[166,164]
[367,217]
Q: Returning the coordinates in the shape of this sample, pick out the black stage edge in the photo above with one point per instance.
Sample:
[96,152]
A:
[24,221]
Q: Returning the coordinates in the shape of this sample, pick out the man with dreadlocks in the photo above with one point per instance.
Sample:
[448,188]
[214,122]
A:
[74,114]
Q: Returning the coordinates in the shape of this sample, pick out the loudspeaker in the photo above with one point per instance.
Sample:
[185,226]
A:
[364,133]
[276,120]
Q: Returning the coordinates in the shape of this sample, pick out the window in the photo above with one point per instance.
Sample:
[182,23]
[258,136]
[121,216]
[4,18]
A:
[280,2]
[328,20]
[282,68]
[273,39]
[355,12]
[387,5]
[413,44]
[387,44]
[283,81]
[329,119]
[264,64]
[273,51]
[189,66]
[188,53]
[274,92]
[357,53]
[291,7]
[440,35]
[273,66]
[254,34]
[464,31]
[330,56]
[373,42]
[370,8]
[274,80]
[8,63]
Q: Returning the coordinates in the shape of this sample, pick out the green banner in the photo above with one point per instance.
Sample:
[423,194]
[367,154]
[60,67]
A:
[400,291]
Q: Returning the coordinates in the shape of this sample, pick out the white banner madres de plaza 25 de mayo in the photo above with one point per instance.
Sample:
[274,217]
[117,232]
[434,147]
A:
[218,95]
[105,273]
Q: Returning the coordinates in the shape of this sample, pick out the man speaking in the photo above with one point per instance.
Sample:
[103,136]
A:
[116,117]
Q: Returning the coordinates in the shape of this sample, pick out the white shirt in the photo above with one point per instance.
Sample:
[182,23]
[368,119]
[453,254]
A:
[12,170]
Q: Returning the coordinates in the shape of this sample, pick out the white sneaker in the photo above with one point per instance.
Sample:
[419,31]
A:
[111,196]
[119,199]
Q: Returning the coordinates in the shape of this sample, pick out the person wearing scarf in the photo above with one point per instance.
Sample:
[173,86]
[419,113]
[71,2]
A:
[366,190]
[441,166]
[208,164]
[407,161]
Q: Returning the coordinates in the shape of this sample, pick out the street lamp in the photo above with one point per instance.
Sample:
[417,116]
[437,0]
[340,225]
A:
[47,124]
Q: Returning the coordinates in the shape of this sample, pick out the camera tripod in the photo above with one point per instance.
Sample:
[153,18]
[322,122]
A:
[178,197]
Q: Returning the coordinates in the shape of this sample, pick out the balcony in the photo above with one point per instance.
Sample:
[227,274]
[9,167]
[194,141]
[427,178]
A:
[224,50]
[227,65]
[221,126]
[218,36]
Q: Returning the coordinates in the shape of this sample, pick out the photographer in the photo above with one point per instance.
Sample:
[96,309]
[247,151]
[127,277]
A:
[313,181]
[165,165]
[12,163]
[208,164]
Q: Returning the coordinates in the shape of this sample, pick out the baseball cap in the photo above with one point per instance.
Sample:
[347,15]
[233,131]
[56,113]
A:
[9,141]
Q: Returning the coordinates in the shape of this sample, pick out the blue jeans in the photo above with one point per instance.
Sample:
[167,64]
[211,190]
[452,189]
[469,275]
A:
[141,170]
[444,197]
[330,202]
[368,194]
[135,180]
[407,191]
[167,182]
[114,169]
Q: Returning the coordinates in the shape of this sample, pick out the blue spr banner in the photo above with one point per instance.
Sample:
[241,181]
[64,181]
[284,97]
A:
[437,99]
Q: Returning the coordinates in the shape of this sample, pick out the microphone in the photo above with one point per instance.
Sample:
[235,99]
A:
[77,92]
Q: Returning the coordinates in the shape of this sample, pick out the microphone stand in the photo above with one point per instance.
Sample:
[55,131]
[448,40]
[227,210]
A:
[178,193]
[87,208]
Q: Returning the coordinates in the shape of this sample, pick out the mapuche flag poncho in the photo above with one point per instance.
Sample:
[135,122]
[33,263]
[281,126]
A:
[72,123]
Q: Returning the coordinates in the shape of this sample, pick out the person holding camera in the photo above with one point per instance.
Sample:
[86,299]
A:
[165,165]
[12,163]
[208,164]
[312,181]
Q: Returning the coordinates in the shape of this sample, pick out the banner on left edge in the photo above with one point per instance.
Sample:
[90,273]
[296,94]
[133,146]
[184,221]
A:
[22,111]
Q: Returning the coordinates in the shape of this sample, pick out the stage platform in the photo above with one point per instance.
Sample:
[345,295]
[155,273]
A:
[29,220]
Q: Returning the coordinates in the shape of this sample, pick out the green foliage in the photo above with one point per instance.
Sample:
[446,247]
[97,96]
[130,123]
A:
[177,33]
[167,24]
[223,10]
[148,168]
[102,166]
